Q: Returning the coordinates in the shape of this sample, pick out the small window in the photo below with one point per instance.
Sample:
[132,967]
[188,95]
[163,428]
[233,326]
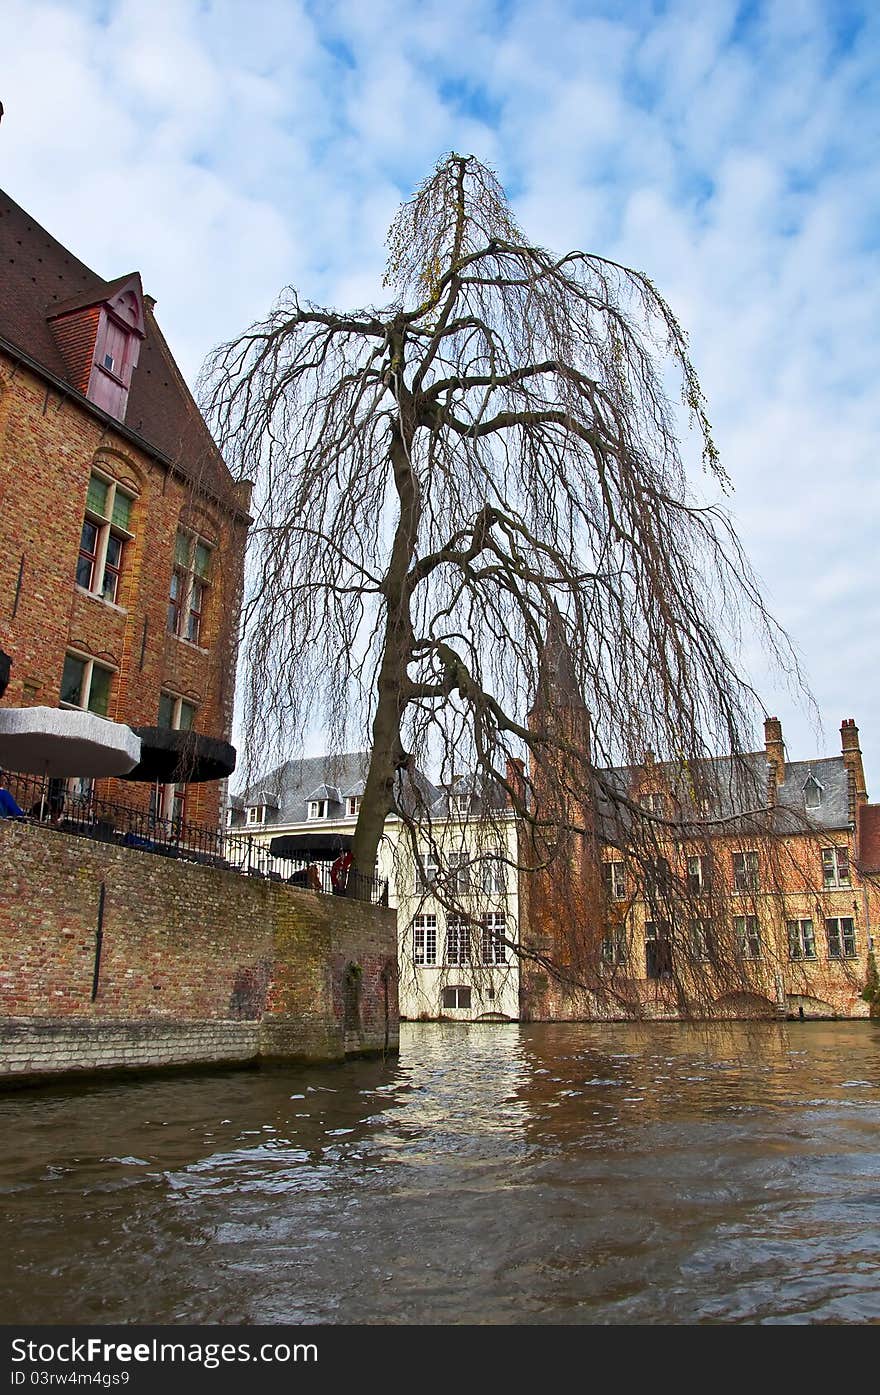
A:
[425,939]
[835,867]
[353,805]
[175,712]
[812,793]
[745,871]
[86,684]
[703,939]
[426,871]
[462,803]
[658,950]
[613,949]
[317,809]
[456,997]
[748,936]
[109,362]
[801,939]
[459,871]
[495,875]
[615,880]
[698,875]
[841,934]
[256,813]
[654,803]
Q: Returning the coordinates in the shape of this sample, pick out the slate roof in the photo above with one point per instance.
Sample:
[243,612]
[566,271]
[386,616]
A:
[294,782]
[39,277]
[737,788]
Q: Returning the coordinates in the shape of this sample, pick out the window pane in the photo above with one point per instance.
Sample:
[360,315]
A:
[122,510]
[181,550]
[99,691]
[202,560]
[72,680]
[166,710]
[96,499]
[187,716]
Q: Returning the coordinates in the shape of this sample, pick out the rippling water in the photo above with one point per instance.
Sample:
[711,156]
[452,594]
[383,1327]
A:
[493,1174]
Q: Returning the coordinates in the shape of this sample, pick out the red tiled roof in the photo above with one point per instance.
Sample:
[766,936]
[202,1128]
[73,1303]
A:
[869,837]
[39,278]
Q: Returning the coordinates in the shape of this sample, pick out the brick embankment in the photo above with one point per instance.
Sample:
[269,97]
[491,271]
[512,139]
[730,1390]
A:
[197,966]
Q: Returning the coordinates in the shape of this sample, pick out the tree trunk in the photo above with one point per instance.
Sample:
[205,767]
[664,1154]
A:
[388,753]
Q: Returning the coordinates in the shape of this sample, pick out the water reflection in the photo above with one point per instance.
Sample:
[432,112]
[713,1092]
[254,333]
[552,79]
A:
[495,1173]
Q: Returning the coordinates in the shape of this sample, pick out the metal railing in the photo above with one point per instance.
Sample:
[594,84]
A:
[125,825]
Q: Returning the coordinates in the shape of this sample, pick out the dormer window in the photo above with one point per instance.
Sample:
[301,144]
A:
[256,813]
[317,808]
[812,793]
[353,805]
[462,803]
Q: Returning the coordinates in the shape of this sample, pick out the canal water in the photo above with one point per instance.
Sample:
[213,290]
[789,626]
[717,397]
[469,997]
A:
[492,1174]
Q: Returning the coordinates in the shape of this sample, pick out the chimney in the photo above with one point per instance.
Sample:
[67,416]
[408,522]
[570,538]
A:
[649,757]
[149,301]
[775,748]
[852,759]
[516,779]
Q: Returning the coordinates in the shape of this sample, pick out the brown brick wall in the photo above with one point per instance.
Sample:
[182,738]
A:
[48,446]
[188,953]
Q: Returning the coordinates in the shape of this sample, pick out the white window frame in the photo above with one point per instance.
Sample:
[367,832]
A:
[353,805]
[841,937]
[493,929]
[105,529]
[424,939]
[832,858]
[698,873]
[427,870]
[90,665]
[458,943]
[459,866]
[614,875]
[463,804]
[654,802]
[748,936]
[495,875]
[746,877]
[318,809]
[457,989]
[255,813]
[801,940]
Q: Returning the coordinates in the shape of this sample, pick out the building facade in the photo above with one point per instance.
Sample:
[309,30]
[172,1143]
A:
[456,937]
[761,899]
[122,532]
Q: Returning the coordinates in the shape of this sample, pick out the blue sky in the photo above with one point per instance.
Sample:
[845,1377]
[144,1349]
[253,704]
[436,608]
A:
[727,149]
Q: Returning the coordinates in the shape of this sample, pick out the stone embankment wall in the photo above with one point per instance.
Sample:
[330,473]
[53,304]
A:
[197,966]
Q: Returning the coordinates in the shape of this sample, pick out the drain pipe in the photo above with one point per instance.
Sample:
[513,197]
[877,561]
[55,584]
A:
[99,940]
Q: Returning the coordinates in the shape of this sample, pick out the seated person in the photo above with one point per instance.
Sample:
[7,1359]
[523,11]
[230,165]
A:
[9,808]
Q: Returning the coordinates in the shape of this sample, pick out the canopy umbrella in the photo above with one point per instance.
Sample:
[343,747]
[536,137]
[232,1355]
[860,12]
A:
[170,756]
[65,742]
[311,847]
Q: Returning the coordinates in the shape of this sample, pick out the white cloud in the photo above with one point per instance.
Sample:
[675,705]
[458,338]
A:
[727,150]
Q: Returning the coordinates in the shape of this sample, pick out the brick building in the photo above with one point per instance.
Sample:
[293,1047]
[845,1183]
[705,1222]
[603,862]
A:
[757,897]
[121,530]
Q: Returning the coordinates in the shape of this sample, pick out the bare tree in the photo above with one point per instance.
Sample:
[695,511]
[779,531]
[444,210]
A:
[456,490]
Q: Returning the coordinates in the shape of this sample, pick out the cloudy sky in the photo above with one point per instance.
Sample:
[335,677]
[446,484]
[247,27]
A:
[226,148]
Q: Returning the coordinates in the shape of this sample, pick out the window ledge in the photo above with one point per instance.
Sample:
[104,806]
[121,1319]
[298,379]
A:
[198,648]
[93,596]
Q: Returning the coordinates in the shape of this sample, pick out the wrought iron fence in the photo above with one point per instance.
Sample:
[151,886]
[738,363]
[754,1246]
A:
[84,815]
